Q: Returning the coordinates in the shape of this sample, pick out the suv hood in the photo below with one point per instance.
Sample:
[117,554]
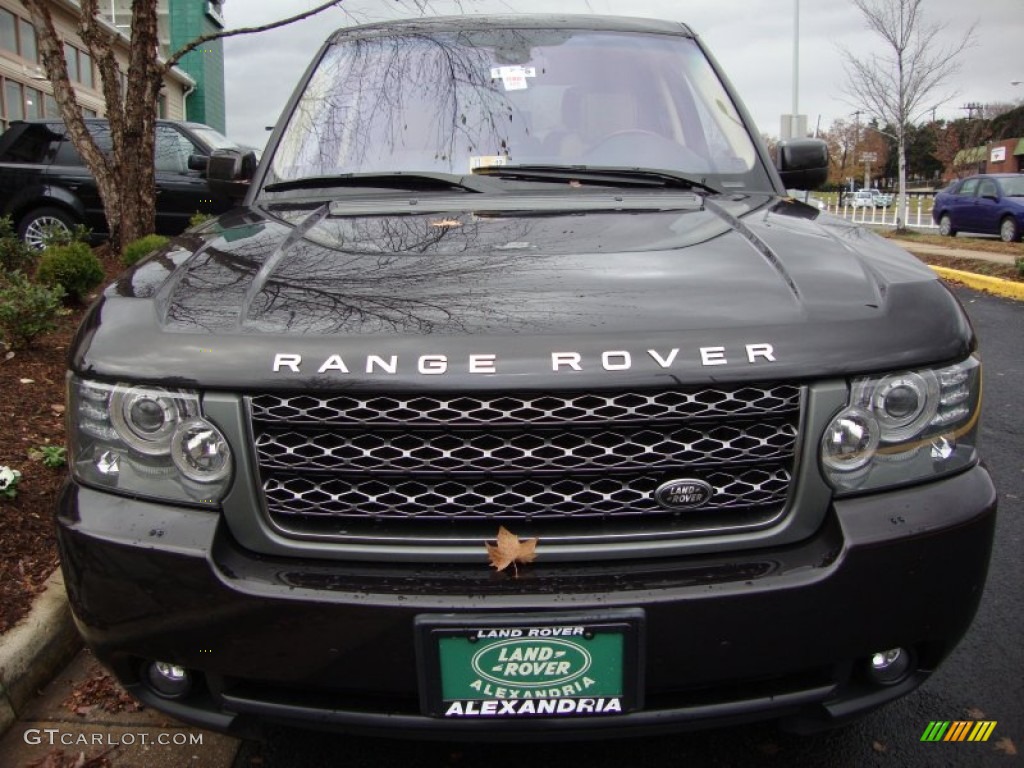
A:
[632,290]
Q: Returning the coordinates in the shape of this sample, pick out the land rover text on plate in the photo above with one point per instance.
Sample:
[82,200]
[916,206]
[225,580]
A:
[536,274]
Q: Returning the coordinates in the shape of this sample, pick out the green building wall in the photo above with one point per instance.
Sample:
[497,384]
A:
[188,20]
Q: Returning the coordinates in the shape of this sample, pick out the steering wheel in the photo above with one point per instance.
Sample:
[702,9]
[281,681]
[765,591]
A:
[627,133]
[641,147]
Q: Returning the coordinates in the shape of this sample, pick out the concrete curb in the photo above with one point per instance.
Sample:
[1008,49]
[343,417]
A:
[33,651]
[996,285]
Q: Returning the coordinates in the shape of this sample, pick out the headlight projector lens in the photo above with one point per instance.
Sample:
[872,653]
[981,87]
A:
[850,440]
[905,404]
[145,419]
[200,452]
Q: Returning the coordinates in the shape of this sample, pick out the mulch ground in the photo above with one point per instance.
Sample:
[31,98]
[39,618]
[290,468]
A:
[32,415]
[977,266]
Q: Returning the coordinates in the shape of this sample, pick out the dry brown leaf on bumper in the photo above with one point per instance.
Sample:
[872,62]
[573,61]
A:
[509,550]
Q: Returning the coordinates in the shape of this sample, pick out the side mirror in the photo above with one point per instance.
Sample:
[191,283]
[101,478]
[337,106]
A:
[802,163]
[228,172]
[198,162]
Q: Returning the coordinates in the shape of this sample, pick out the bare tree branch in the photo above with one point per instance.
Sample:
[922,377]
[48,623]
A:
[898,87]
[202,40]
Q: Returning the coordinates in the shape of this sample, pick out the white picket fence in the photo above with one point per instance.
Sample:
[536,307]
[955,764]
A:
[916,214]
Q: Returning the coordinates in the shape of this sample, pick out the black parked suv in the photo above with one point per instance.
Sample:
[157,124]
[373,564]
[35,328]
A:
[538,274]
[44,183]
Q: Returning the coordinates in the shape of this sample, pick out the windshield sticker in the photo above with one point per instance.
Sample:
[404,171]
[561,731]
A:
[486,161]
[513,78]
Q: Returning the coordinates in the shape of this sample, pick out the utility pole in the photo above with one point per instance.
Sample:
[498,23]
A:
[796,65]
[973,107]
[856,141]
[794,126]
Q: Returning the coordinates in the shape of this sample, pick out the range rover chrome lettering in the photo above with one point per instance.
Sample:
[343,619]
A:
[535,273]
[433,364]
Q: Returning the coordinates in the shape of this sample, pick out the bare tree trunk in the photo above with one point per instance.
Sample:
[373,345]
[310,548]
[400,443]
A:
[138,171]
[901,221]
[52,50]
[126,177]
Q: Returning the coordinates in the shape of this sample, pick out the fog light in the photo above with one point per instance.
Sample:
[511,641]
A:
[169,680]
[889,667]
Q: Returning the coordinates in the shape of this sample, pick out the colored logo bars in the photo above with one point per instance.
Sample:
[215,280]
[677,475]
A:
[958,730]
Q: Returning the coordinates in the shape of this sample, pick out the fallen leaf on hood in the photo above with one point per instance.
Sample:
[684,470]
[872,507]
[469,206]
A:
[509,550]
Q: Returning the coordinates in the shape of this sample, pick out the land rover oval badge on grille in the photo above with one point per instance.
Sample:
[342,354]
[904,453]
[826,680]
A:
[684,494]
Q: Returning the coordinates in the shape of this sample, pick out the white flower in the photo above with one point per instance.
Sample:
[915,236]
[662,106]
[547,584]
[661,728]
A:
[8,477]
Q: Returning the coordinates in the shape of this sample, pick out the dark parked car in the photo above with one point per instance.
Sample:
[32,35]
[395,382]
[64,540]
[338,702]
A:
[532,273]
[44,183]
[991,204]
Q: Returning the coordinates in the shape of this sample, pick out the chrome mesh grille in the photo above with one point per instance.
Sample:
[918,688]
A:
[540,498]
[433,451]
[385,460]
[459,410]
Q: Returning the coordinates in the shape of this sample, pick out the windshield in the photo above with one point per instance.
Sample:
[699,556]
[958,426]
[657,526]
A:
[1013,186]
[457,101]
[212,138]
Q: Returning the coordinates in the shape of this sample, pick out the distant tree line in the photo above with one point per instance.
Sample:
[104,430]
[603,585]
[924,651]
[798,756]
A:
[932,148]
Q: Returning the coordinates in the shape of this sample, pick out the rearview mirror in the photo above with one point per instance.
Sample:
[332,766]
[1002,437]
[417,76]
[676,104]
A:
[198,162]
[228,172]
[802,163]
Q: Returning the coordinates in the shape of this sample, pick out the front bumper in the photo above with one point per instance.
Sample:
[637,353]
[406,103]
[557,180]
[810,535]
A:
[783,633]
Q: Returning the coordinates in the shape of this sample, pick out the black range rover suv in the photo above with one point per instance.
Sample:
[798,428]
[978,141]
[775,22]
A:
[536,273]
[44,182]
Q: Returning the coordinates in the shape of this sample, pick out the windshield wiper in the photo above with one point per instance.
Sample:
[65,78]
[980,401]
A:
[598,174]
[413,181]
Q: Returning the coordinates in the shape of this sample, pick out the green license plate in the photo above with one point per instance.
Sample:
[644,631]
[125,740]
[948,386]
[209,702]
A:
[528,666]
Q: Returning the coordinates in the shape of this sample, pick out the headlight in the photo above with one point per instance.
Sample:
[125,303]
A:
[146,441]
[904,428]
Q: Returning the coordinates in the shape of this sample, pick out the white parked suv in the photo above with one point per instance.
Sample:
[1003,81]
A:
[881,200]
[861,199]
[868,198]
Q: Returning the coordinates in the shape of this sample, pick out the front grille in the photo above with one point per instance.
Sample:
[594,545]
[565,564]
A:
[407,466]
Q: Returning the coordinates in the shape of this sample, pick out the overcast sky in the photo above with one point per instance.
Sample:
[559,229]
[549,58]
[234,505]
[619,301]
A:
[752,40]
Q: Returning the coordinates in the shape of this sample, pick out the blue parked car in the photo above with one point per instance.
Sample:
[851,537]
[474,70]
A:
[987,203]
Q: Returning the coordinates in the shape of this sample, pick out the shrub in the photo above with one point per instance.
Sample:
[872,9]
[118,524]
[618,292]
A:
[1020,267]
[52,456]
[136,249]
[74,267]
[61,236]
[26,309]
[200,218]
[14,254]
